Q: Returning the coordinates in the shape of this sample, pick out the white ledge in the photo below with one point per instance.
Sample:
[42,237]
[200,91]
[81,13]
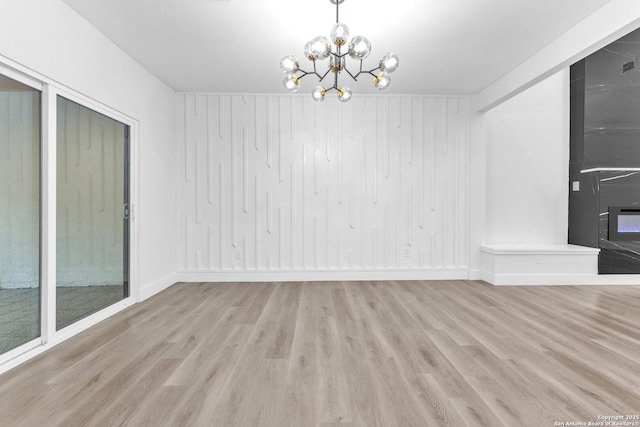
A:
[537,249]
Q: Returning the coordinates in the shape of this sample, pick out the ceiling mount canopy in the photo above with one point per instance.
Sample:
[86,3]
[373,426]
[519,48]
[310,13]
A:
[321,48]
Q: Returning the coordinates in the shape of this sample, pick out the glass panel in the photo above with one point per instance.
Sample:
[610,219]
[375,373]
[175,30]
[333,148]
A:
[19,214]
[92,261]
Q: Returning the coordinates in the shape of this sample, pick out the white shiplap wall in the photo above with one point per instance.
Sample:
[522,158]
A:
[284,185]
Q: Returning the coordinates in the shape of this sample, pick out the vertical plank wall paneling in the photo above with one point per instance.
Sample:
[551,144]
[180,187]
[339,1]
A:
[281,183]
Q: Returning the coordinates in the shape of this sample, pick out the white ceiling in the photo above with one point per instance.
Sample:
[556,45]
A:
[445,46]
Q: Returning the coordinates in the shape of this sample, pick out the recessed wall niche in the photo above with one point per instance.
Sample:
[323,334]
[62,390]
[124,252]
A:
[604,169]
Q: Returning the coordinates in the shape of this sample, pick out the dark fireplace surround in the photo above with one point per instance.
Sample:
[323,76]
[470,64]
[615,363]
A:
[604,167]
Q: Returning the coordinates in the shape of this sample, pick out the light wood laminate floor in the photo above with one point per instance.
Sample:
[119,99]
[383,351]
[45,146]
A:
[447,353]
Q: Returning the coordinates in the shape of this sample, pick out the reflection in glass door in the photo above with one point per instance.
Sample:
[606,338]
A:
[19,214]
[92,257]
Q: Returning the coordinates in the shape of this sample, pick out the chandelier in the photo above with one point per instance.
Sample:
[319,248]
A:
[320,48]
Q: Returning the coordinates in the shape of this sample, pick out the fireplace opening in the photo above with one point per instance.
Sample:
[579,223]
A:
[624,223]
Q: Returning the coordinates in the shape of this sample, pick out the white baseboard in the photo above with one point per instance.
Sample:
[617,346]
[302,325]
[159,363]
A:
[155,287]
[321,275]
[560,280]
[481,275]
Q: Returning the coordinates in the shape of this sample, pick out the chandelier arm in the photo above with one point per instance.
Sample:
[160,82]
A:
[371,71]
[306,73]
[352,76]
[315,71]
[324,75]
[358,73]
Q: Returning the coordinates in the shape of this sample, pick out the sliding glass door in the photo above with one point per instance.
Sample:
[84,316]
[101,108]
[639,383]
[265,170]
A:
[92,211]
[20,114]
[64,213]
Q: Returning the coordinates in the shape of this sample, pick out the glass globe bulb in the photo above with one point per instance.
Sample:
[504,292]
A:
[307,50]
[318,93]
[339,34]
[344,94]
[359,48]
[382,81]
[289,64]
[320,47]
[389,62]
[291,82]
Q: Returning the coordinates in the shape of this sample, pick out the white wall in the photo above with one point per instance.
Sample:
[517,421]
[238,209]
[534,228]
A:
[527,141]
[290,189]
[51,39]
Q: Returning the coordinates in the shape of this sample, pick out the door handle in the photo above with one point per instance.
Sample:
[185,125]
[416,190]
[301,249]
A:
[125,211]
